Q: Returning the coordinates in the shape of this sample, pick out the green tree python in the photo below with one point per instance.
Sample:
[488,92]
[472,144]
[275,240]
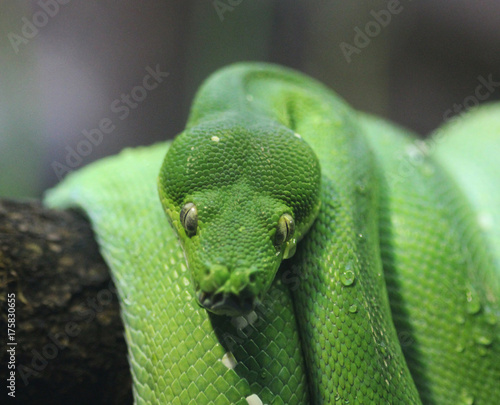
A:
[310,253]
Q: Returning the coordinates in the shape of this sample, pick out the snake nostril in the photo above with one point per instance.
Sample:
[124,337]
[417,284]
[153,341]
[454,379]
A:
[213,278]
[219,273]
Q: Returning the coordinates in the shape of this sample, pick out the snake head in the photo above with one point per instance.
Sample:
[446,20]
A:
[240,196]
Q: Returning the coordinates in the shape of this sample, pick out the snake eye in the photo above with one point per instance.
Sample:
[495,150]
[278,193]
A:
[189,218]
[284,231]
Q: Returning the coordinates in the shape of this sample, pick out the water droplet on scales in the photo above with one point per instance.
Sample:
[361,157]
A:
[347,277]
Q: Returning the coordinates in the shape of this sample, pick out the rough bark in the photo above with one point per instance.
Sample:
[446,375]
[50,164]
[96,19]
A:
[70,343]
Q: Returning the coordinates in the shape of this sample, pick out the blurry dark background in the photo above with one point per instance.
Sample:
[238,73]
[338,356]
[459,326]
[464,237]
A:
[62,66]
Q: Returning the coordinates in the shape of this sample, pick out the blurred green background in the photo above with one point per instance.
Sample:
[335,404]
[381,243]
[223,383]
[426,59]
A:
[65,66]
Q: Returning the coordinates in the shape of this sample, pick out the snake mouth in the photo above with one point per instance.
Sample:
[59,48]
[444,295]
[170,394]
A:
[226,303]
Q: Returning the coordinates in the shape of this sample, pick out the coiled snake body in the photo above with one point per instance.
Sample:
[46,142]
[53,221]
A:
[390,291]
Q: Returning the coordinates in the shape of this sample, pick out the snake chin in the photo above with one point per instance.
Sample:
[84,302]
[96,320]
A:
[228,304]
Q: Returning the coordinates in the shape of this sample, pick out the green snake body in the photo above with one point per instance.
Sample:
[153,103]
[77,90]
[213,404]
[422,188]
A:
[392,295]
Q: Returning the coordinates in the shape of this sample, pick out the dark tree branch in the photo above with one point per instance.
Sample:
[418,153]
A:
[70,344]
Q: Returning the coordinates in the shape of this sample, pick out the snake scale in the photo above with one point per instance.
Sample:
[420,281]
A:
[310,253]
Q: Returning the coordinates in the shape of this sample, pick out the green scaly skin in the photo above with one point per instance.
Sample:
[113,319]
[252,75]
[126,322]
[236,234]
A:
[391,297]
